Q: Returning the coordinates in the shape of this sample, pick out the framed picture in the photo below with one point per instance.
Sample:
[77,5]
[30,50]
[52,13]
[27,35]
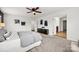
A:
[23,23]
[41,21]
[45,23]
[17,21]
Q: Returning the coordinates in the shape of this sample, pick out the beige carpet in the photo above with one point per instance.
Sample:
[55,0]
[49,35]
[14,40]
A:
[53,44]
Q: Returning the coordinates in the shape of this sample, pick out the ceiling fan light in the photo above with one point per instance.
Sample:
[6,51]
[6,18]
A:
[34,13]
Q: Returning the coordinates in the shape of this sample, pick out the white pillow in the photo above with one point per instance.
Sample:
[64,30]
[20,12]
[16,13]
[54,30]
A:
[8,34]
[2,38]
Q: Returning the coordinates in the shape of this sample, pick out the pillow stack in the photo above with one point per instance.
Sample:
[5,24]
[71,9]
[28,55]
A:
[2,38]
[8,34]
[2,32]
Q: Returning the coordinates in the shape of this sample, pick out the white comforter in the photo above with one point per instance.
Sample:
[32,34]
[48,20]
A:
[28,38]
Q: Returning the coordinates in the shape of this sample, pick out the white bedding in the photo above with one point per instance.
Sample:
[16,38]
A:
[27,38]
[12,44]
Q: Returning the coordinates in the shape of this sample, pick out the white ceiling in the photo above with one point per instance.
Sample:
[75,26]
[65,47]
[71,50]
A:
[23,10]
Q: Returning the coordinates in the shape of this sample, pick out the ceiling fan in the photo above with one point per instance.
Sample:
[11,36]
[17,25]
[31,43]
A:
[34,10]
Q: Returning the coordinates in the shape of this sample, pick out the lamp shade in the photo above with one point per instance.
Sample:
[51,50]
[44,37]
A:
[2,24]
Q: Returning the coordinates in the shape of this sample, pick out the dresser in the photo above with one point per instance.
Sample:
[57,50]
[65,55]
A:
[42,30]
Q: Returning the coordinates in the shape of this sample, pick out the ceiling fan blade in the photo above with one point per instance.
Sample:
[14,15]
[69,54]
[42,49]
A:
[28,8]
[37,8]
[38,11]
[28,12]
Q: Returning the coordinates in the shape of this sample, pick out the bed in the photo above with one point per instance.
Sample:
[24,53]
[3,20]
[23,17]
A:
[13,44]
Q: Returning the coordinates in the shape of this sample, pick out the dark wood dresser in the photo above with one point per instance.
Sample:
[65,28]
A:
[42,30]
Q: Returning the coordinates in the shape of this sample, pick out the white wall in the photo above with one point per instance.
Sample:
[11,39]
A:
[11,26]
[56,23]
[73,24]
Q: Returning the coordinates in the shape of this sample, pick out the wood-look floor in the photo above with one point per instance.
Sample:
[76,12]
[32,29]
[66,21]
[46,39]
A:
[61,34]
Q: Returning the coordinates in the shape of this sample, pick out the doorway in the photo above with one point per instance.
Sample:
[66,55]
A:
[62,28]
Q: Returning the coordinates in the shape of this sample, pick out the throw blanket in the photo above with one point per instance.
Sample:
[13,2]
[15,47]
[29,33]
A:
[28,38]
